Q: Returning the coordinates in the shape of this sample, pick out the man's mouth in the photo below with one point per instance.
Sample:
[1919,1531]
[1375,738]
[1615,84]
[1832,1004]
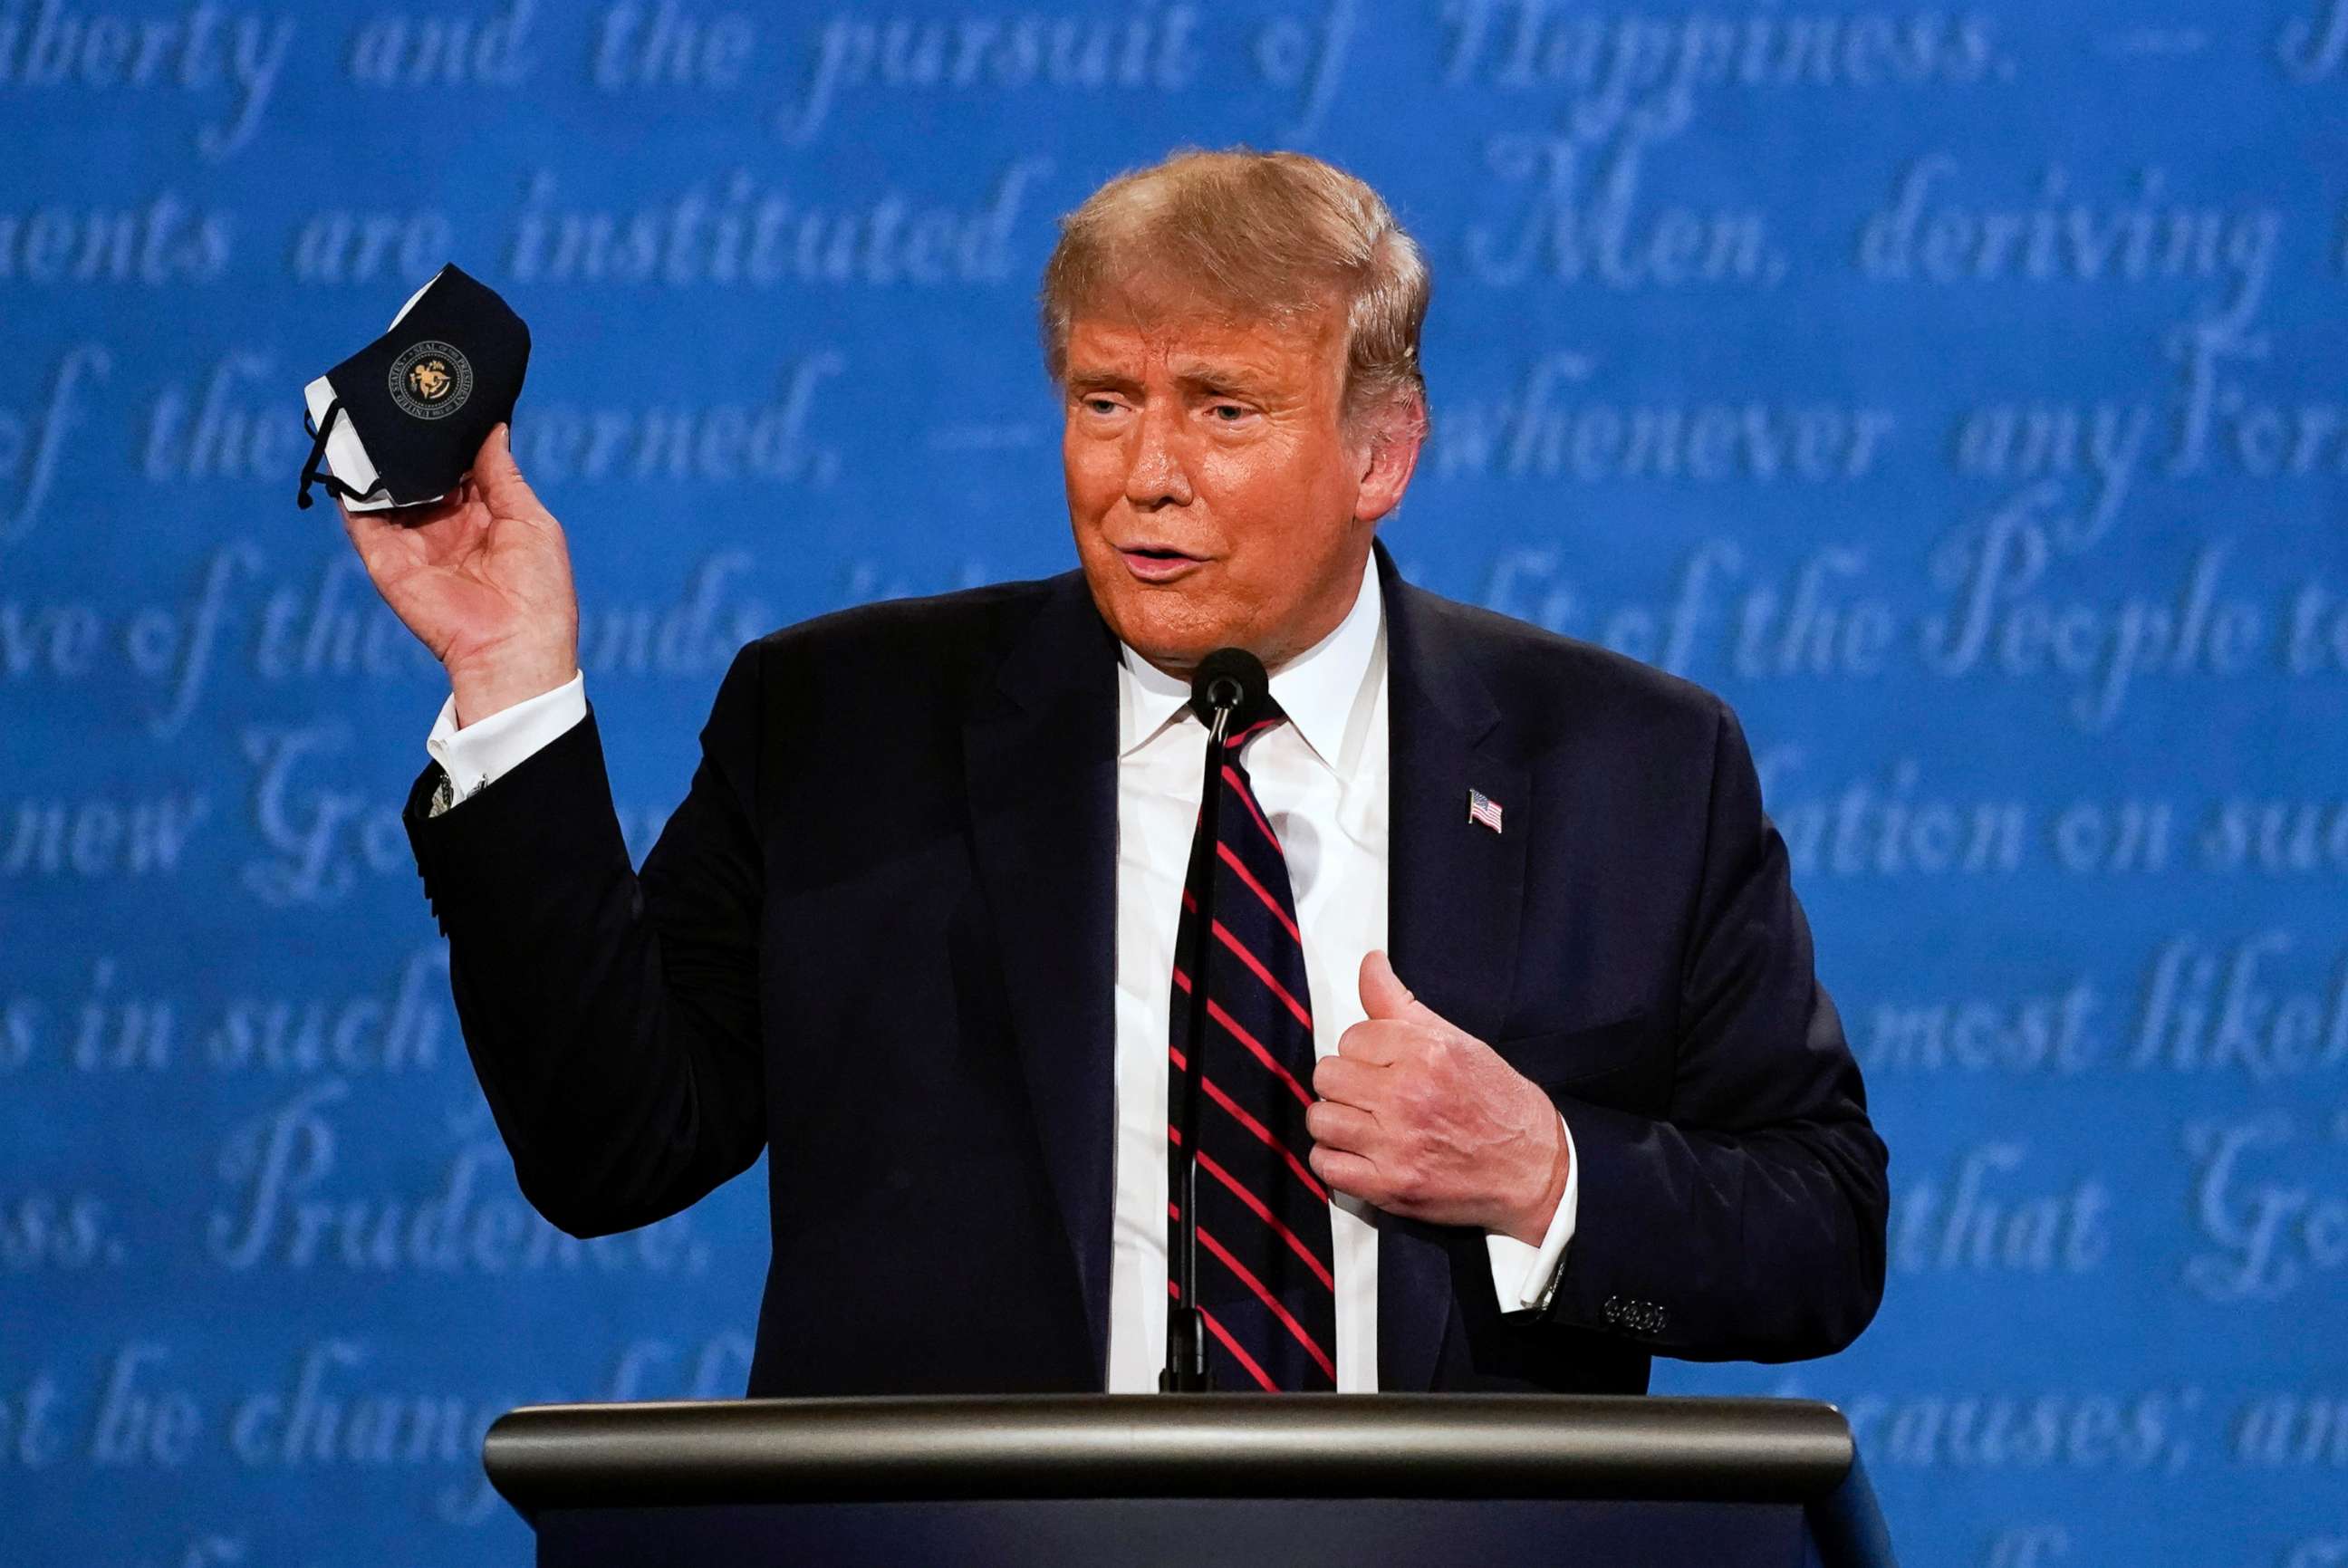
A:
[1157,563]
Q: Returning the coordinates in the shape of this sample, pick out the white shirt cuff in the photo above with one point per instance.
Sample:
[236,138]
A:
[480,752]
[1523,1276]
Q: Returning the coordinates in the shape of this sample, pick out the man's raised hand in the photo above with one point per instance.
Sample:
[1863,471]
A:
[482,577]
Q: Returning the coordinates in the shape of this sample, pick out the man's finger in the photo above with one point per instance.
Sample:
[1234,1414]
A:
[1345,1127]
[1347,1173]
[1348,1080]
[1372,1043]
[503,489]
[367,530]
[496,459]
[1386,998]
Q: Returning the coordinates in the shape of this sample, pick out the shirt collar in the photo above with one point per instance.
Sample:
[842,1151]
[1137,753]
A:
[1320,690]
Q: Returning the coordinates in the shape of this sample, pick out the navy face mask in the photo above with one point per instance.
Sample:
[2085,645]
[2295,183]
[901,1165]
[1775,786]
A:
[400,422]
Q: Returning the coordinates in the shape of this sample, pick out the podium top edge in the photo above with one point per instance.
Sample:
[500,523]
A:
[909,1447]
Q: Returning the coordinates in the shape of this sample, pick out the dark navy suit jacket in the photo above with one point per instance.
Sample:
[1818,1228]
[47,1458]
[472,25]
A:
[876,940]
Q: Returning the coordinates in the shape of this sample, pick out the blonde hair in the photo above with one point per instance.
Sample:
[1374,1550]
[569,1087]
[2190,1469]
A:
[1266,236]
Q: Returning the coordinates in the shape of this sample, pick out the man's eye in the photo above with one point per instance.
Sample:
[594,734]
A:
[1101,405]
[1237,410]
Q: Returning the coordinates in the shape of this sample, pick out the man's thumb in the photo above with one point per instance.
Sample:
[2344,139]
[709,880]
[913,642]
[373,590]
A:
[1384,996]
[494,468]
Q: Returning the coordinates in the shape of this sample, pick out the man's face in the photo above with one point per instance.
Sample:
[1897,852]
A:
[1214,498]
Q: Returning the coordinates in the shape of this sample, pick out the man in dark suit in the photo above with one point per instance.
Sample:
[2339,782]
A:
[1521,1072]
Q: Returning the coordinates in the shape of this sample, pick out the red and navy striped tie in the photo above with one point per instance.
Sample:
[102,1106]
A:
[1265,1285]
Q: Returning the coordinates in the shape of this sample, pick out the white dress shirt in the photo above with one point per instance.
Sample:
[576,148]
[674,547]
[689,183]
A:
[1322,780]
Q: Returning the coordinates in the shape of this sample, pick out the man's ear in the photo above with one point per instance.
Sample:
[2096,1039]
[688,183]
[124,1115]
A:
[1390,454]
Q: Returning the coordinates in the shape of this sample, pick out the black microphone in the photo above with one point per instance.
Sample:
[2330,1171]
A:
[1228,691]
[1231,679]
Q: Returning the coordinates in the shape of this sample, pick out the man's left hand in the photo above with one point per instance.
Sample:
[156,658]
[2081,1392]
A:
[1424,1120]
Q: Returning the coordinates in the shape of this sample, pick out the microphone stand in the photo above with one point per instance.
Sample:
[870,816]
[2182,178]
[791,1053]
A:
[1186,1326]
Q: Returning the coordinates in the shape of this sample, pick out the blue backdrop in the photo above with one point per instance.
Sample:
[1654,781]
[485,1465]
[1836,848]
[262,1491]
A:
[1959,391]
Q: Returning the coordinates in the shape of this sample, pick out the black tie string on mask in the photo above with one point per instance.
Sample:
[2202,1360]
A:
[421,398]
[312,474]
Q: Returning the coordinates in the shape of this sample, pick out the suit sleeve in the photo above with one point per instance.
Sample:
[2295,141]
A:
[1748,1222]
[611,1014]
[485,751]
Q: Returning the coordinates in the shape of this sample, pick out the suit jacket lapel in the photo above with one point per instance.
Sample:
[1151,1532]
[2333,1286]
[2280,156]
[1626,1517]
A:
[1455,897]
[1040,758]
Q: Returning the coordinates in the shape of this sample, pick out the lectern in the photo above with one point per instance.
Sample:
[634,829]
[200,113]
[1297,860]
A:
[1296,1480]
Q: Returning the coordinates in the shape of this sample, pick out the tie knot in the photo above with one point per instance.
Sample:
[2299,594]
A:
[1268,716]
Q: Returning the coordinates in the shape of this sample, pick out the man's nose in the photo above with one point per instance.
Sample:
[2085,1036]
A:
[1157,471]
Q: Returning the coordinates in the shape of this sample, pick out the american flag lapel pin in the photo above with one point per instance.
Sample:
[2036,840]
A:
[1482,808]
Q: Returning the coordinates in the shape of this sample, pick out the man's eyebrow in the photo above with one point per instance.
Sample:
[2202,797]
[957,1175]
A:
[1090,377]
[1198,377]
[1210,377]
